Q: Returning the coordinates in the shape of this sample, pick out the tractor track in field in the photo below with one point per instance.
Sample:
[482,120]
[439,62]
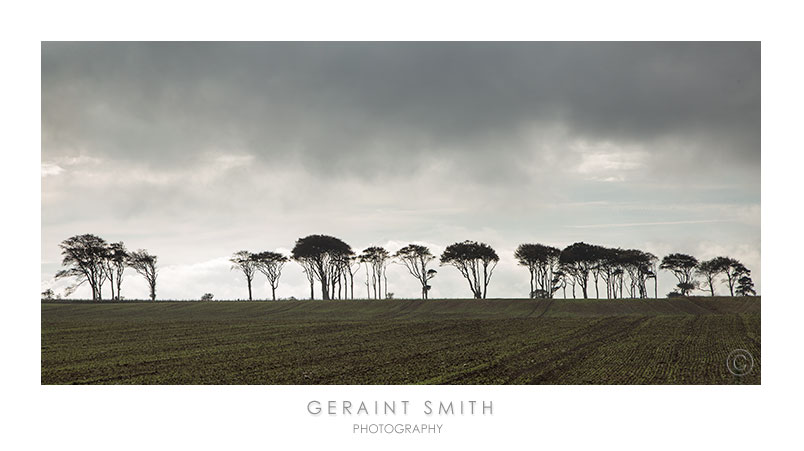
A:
[505,341]
[579,353]
[567,339]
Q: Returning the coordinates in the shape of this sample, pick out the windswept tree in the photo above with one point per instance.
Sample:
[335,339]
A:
[560,282]
[577,261]
[343,279]
[307,269]
[83,257]
[711,269]
[244,261]
[350,264]
[416,258]
[476,263]
[682,266]
[542,263]
[320,256]
[114,265]
[376,259]
[734,272]
[145,264]
[745,286]
[270,264]
[639,265]
[609,267]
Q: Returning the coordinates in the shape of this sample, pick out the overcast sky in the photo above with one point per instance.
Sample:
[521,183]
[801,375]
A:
[197,150]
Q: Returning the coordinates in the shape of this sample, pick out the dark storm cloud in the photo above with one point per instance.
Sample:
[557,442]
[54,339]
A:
[195,150]
[377,108]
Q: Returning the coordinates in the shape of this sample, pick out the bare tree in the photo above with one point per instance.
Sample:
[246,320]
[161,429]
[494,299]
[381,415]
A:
[145,264]
[416,258]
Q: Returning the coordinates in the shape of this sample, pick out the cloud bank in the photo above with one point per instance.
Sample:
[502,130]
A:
[197,150]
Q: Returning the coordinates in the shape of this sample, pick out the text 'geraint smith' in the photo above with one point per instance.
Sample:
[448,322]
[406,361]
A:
[399,408]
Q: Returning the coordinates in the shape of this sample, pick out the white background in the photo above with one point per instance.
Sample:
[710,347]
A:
[268,417]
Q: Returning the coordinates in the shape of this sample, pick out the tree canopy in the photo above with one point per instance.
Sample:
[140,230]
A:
[416,258]
[321,256]
[682,266]
[476,263]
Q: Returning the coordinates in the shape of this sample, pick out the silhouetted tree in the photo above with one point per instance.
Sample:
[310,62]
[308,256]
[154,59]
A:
[416,258]
[245,262]
[745,286]
[270,264]
[307,269]
[577,261]
[114,265]
[733,273]
[343,279]
[207,297]
[710,269]
[320,255]
[617,275]
[350,265]
[639,266]
[560,281]
[542,263]
[682,266]
[377,259]
[606,265]
[83,257]
[145,264]
[475,261]
[48,295]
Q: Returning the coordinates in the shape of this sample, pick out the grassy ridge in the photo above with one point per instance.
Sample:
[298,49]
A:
[400,342]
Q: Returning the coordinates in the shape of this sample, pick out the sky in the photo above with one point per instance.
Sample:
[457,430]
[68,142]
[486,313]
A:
[194,151]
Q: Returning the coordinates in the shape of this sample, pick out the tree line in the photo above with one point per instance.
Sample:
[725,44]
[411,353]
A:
[91,260]
[626,273]
[332,264]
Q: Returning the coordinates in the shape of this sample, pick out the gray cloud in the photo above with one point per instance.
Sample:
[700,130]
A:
[199,149]
[368,108]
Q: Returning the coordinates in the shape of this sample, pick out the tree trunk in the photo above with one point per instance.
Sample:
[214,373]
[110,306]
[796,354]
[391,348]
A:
[249,289]
[324,291]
